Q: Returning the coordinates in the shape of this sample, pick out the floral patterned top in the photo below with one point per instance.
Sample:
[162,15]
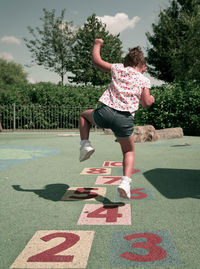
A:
[125,88]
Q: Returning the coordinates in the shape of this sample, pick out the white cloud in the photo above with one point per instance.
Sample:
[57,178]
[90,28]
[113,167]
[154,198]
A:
[118,23]
[10,39]
[6,56]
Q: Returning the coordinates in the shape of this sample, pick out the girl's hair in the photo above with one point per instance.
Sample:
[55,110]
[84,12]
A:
[135,57]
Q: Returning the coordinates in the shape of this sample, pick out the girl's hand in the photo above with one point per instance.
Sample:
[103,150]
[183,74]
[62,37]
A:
[96,57]
[152,99]
[99,42]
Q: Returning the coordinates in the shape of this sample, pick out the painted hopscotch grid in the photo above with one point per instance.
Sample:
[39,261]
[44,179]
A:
[112,164]
[135,170]
[56,249]
[111,214]
[96,171]
[84,194]
[139,194]
[143,248]
[108,180]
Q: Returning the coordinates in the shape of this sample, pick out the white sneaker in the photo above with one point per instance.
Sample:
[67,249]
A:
[86,151]
[124,188]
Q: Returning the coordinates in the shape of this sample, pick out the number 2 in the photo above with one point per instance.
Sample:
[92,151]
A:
[49,255]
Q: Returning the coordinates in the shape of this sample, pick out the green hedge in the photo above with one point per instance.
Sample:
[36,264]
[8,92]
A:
[175,105]
[50,94]
[46,105]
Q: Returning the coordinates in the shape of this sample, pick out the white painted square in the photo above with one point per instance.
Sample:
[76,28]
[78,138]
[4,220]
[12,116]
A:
[108,180]
[84,194]
[59,246]
[96,171]
[111,214]
[112,164]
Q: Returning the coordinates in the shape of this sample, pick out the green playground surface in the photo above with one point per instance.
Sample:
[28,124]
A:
[54,216]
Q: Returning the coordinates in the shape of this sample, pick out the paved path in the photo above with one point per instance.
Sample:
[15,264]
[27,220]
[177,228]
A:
[56,212]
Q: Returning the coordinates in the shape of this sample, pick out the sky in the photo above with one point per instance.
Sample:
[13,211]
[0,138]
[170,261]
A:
[131,18]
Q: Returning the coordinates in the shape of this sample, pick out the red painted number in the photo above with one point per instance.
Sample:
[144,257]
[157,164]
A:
[86,193]
[156,253]
[49,255]
[140,195]
[135,171]
[111,214]
[110,164]
[96,171]
[113,179]
[117,164]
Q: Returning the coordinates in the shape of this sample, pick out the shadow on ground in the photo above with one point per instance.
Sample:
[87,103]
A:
[55,192]
[175,183]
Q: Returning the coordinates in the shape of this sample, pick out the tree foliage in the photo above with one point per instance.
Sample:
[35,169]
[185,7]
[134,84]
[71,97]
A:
[82,67]
[174,53]
[50,46]
[11,73]
[174,107]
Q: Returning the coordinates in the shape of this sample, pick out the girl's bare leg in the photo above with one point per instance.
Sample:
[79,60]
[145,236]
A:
[86,149]
[127,146]
[85,122]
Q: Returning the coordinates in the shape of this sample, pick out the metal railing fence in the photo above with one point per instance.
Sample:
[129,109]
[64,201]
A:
[39,117]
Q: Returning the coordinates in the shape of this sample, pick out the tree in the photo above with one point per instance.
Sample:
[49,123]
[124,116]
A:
[82,67]
[186,58]
[174,53]
[51,45]
[11,73]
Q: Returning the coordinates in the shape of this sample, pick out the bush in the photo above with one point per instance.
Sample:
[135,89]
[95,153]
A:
[175,106]
[50,94]
[45,105]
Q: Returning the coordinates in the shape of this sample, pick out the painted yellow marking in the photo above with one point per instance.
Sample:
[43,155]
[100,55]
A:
[84,194]
[96,171]
[79,250]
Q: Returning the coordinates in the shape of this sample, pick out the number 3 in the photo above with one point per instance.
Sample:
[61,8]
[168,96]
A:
[156,253]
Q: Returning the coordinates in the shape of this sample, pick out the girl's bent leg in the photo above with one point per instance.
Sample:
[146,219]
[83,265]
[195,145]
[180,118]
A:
[86,149]
[85,122]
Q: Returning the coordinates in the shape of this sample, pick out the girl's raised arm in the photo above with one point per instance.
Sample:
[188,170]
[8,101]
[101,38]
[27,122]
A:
[96,57]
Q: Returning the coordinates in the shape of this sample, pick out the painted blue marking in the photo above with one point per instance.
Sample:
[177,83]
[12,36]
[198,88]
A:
[15,155]
[120,245]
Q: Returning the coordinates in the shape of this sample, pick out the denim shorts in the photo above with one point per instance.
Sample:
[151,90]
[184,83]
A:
[120,122]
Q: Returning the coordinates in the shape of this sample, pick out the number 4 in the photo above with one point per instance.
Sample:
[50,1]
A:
[110,213]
